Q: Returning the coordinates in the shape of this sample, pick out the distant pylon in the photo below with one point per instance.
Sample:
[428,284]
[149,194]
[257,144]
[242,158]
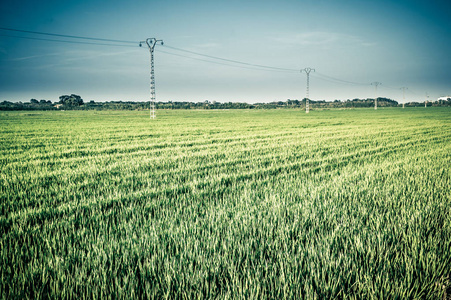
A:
[151,42]
[404,95]
[375,98]
[307,71]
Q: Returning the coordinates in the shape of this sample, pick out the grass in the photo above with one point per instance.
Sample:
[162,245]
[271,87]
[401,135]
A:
[248,204]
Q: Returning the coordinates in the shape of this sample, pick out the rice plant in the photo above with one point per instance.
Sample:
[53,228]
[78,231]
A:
[245,204]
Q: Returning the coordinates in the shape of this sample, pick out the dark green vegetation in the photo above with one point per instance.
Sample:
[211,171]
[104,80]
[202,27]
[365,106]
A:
[230,204]
[74,102]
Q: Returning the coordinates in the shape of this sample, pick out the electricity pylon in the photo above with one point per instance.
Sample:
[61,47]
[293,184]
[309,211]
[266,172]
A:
[375,98]
[403,95]
[151,42]
[307,71]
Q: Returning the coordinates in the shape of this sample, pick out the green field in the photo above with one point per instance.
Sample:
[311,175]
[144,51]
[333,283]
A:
[241,204]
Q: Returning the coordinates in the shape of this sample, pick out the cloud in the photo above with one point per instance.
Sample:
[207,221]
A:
[34,56]
[71,56]
[322,39]
[208,45]
[86,55]
[82,63]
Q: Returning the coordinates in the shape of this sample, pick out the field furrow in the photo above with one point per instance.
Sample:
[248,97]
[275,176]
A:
[226,204]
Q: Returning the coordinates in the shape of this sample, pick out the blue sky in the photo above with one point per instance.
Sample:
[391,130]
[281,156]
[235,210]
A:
[350,43]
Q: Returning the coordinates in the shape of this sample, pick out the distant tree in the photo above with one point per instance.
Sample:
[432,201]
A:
[72,100]
[34,101]
[45,102]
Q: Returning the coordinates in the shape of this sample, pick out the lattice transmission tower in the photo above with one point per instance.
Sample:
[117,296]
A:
[151,42]
[307,71]
[376,84]
[404,95]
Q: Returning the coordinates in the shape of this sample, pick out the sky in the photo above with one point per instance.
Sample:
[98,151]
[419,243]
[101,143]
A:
[349,43]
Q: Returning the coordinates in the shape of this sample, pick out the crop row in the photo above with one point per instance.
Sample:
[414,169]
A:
[226,204]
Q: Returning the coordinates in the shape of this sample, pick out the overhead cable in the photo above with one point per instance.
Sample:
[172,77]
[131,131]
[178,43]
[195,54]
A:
[64,41]
[221,63]
[119,43]
[69,36]
[340,80]
[231,60]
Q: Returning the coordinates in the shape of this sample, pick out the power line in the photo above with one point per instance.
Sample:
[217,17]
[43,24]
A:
[250,66]
[414,92]
[391,87]
[231,60]
[170,47]
[257,66]
[63,41]
[69,36]
[221,63]
[340,80]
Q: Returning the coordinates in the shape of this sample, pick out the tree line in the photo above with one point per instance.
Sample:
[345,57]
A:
[75,102]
